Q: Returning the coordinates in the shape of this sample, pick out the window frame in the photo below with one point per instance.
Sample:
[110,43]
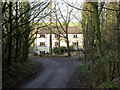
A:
[42,36]
[75,36]
[56,36]
[42,44]
[56,45]
[75,43]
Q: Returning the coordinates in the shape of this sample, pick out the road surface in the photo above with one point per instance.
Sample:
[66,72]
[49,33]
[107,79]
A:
[56,72]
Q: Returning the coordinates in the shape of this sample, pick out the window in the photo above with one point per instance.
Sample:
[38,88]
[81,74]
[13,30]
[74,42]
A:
[56,36]
[42,43]
[42,35]
[56,43]
[75,43]
[75,36]
[42,52]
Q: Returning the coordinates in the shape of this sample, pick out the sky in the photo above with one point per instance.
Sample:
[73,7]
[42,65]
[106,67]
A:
[63,8]
[77,3]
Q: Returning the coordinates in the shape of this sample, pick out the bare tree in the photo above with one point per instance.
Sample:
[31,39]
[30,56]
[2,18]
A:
[19,19]
[63,27]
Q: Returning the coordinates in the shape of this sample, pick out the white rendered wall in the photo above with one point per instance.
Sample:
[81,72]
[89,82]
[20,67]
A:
[62,42]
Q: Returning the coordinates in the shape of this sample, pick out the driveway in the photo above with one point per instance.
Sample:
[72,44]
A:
[56,72]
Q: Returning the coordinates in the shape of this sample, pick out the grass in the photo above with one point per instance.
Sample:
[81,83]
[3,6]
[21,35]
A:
[17,73]
[108,85]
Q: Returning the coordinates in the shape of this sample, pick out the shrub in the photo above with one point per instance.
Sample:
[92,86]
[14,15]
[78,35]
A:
[35,54]
[31,49]
[62,50]
[56,50]
[108,85]
[71,48]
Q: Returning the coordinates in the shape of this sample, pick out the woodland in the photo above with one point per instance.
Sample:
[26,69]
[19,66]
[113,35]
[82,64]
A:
[100,23]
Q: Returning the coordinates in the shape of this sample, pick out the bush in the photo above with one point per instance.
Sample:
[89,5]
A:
[35,54]
[62,50]
[85,68]
[56,50]
[71,48]
[31,49]
[108,85]
[17,73]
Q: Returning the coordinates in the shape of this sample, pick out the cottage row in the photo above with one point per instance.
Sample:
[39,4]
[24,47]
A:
[42,41]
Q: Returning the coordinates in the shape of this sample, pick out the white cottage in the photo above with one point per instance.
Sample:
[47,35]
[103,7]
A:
[42,42]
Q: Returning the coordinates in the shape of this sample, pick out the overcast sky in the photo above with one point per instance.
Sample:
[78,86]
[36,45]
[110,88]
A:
[62,5]
[77,3]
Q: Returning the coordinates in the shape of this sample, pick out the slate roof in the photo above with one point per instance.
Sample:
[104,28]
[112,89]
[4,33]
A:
[71,30]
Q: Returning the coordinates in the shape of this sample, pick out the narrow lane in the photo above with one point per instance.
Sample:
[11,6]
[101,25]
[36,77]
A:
[57,72]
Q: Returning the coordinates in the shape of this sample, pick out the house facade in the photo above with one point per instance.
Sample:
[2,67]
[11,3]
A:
[42,41]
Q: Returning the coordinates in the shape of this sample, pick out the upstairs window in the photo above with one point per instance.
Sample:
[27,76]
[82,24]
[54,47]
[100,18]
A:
[75,36]
[56,43]
[56,36]
[42,35]
[42,43]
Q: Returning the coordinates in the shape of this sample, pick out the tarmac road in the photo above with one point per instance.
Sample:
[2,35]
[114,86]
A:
[56,72]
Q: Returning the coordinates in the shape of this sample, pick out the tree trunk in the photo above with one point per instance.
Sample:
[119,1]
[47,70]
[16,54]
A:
[67,40]
[50,49]
[59,45]
[97,28]
[118,38]
[16,52]
[10,38]
[68,48]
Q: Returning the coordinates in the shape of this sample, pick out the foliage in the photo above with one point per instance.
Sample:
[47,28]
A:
[85,68]
[31,48]
[62,50]
[108,85]
[16,73]
[86,71]
[18,32]
[101,40]
[71,48]
[19,29]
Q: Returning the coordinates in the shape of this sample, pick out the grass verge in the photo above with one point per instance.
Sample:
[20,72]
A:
[17,73]
[84,69]
[91,81]
[108,85]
